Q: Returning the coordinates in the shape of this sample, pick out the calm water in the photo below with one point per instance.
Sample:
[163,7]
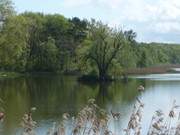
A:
[54,95]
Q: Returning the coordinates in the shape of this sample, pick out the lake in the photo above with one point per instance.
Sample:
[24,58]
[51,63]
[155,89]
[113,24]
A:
[53,95]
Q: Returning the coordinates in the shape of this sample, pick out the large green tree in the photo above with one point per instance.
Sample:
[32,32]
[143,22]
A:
[13,43]
[36,37]
[106,43]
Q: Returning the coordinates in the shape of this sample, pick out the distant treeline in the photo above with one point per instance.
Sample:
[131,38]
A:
[37,42]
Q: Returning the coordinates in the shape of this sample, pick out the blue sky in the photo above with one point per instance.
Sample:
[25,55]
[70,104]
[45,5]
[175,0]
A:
[153,20]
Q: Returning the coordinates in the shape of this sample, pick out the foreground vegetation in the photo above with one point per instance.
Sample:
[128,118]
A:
[92,120]
[37,42]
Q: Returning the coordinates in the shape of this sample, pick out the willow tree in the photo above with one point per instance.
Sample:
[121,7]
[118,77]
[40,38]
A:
[105,45]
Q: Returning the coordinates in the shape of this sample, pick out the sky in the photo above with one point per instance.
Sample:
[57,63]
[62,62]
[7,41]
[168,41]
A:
[152,20]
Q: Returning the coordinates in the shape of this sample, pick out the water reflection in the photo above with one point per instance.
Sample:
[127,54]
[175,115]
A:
[54,95]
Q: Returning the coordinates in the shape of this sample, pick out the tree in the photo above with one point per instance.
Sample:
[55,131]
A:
[36,36]
[127,58]
[13,44]
[130,35]
[46,59]
[78,30]
[106,44]
[6,9]
[56,26]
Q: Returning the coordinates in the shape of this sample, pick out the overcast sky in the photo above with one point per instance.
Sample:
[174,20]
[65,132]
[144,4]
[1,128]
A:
[153,20]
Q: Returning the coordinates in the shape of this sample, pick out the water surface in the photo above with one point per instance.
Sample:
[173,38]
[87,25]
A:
[53,95]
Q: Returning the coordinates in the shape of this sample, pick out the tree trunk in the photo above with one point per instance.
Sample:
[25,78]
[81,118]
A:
[103,75]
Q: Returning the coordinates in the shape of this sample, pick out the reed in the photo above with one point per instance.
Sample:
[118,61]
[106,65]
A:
[92,120]
[134,124]
[28,123]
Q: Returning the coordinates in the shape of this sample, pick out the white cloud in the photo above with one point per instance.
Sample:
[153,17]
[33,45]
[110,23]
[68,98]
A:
[165,16]
[166,27]
[138,10]
[165,9]
[75,3]
[159,16]
[114,4]
[142,10]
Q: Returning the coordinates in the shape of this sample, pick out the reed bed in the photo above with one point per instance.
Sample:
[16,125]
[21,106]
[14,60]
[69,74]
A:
[92,120]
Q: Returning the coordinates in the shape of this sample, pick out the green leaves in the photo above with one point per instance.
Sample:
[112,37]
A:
[40,42]
[105,45]
[13,45]
[48,55]
[6,9]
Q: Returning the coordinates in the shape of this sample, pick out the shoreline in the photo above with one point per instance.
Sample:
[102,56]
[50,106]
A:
[153,70]
[131,71]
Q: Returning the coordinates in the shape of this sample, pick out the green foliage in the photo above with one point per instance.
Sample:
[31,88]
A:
[105,44]
[56,26]
[127,57]
[13,44]
[66,34]
[6,9]
[39,42]
[77,30]
[46,59]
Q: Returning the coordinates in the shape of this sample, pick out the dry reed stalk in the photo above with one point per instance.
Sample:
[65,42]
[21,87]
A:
[28,124]
[92,120]
[177,131]
[134,124]
[161,127]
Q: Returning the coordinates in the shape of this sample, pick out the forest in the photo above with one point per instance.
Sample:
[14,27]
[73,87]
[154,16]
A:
[37,42]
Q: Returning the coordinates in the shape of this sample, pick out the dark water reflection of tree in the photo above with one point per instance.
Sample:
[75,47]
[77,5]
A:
[54,95]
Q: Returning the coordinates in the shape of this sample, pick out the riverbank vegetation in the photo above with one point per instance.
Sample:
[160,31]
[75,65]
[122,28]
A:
[37,42]
[94,120]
